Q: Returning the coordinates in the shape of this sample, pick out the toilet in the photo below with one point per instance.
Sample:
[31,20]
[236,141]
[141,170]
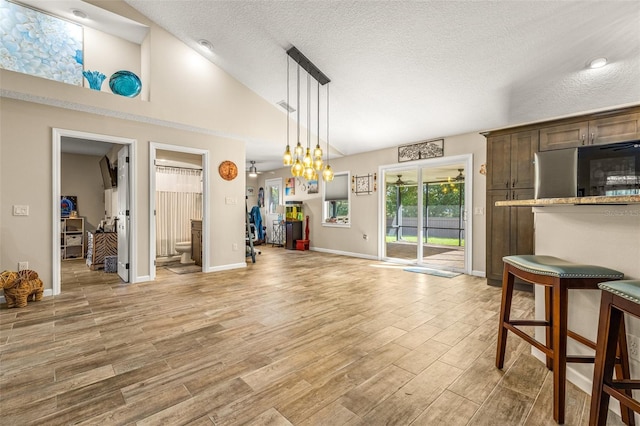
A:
[184,249]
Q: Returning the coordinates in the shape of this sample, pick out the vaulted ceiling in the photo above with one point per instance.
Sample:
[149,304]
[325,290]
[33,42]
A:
[406,71]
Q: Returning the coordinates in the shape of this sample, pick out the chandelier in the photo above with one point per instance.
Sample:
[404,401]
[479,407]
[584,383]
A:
[307,163]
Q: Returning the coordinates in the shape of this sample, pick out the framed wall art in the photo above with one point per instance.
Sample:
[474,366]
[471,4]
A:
[41,44]
[363,184]
[421,150]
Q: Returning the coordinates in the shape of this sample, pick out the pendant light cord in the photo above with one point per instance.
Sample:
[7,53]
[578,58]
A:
[328,124]
[298,103]
[308,110]
[288,105]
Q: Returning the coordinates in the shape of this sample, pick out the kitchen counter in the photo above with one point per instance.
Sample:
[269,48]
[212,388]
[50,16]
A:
[596,200]
[589,230]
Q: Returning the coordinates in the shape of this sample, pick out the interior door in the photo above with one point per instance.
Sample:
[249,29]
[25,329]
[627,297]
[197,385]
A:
[123,213]
[273,199]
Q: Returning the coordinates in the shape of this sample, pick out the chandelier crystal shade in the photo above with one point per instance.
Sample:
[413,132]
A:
[307,163]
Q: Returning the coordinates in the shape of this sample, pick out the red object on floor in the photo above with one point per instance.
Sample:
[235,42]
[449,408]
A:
[302,244]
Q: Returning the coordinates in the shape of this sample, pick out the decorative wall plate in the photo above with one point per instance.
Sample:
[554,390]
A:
[228,170]
[125,83]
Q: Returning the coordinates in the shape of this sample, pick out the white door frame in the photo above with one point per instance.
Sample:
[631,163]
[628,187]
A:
[268,216]
[467,160]
[57,135]
[153,147]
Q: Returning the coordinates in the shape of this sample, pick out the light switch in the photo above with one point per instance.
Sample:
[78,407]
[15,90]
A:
[478,211]
[20,210]
[230,200]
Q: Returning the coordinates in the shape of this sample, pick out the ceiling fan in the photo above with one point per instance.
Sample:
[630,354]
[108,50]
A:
[253,171]
[459,178]
[400,182]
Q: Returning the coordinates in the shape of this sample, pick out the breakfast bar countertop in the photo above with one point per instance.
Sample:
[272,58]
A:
[592,200]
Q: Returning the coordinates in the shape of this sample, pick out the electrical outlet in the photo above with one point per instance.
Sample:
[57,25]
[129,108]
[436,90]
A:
[21,210]
[23,265]
[365,237]
[633,343]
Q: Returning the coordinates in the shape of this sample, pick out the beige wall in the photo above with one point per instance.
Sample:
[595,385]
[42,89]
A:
[364,209]
[26,179]
[192,103]
[80,176]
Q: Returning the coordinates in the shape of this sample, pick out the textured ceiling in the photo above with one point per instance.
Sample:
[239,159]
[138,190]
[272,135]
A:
[406,71]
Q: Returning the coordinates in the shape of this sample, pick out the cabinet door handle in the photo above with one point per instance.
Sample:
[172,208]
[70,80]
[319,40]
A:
[506,197]
[583,138]
[593,137]
[506,184]
[513,183]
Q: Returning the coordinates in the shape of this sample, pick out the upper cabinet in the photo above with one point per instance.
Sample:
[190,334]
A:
[617,128]
[511,160]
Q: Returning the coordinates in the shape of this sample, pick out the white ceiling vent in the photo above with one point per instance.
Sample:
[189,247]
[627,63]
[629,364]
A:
[286,106]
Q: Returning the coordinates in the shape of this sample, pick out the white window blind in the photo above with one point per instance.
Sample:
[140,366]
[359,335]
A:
[337,189]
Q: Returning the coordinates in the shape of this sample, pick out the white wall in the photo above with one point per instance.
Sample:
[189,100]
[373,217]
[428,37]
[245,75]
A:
[108,54]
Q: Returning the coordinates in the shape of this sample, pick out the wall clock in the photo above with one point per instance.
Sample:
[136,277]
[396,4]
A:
[228,170]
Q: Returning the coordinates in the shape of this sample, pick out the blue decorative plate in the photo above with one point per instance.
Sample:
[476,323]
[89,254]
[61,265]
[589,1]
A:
[125,83]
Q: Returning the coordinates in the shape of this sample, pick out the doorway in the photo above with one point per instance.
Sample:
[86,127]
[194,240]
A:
[186,169]
[274,210]
[94,145]
[424,218]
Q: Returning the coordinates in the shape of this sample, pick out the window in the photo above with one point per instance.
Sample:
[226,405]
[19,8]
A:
[335,200]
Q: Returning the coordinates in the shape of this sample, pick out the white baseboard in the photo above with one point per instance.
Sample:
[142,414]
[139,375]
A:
[227,267]
[141,279]
[47,292]
[481,274]
[344,253]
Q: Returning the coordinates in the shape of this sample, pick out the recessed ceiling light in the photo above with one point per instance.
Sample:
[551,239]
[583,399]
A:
[598,63]
[205,44]
[79,14]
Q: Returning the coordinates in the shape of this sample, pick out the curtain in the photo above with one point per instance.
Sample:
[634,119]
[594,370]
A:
[178,200]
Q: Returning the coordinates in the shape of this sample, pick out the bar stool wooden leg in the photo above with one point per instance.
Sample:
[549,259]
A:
[560,306]
[608,331]
[505,312]
[623,371]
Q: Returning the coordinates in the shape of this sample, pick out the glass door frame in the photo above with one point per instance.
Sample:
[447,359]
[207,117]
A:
[394,169]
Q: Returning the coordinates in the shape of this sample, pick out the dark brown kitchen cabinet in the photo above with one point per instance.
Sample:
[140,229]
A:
[599,131]
[510,176]
[510,160]
[509,230]
[510,172]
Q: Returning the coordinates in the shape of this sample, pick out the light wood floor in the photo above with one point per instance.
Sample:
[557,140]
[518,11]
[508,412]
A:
[301,338]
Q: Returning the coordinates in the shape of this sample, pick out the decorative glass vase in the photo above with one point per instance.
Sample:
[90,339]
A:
[95,79]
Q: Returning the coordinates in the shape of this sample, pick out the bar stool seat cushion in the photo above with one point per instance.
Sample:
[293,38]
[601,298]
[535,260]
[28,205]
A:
[555,267]
[629,289]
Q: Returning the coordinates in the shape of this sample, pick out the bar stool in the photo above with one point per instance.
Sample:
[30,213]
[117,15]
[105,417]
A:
[618,298]
[557,276]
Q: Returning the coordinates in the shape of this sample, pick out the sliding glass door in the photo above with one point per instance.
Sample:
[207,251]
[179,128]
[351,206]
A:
[424,215]
[401,212]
